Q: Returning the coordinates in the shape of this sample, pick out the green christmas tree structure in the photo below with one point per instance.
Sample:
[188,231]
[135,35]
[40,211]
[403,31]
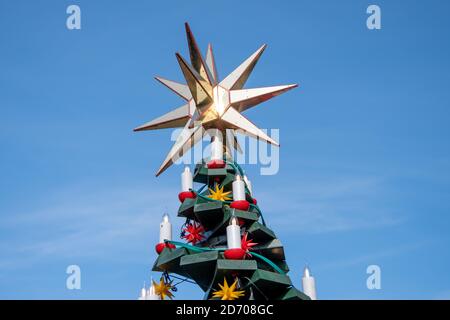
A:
[226,247]
[259,271]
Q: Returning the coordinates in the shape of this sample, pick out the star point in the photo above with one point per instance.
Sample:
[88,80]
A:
[210,103]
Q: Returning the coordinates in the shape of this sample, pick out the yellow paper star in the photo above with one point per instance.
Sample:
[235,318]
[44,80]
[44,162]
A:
[226,292]
[218,194]
[163,289]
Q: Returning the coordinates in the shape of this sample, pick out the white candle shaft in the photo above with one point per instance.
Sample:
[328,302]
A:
[143,294]
[238,190]
[216,149]
[249,187]
[152,295]
[309,287]
[233,237]
[165,231]
[186,180]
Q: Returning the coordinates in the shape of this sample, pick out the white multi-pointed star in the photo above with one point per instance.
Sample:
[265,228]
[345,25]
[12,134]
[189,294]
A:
[211,104]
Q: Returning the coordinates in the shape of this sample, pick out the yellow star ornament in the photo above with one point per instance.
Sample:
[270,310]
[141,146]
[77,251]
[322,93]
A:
[226,292]
[218,194]
[163,289]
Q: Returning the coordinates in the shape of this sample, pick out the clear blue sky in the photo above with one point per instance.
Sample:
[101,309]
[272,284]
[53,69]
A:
[365,157]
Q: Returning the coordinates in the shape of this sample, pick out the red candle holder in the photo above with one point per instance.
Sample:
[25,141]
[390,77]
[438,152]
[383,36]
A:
[185,195]
[160,246]
[216,164]
[234,254]
[240,205]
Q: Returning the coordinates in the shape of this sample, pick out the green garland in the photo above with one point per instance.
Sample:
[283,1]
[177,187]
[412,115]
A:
[236,167]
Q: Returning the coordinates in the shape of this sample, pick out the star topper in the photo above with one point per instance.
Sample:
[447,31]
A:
[210,103]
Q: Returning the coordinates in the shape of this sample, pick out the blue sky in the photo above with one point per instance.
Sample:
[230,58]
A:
[364,163]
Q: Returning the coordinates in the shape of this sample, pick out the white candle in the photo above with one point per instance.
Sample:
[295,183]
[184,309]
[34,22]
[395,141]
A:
[186,179]
[309,284]
[151,293]
[165,229]
[216,148]
[233,234]
[238,189]
[143,294]
[249,185]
